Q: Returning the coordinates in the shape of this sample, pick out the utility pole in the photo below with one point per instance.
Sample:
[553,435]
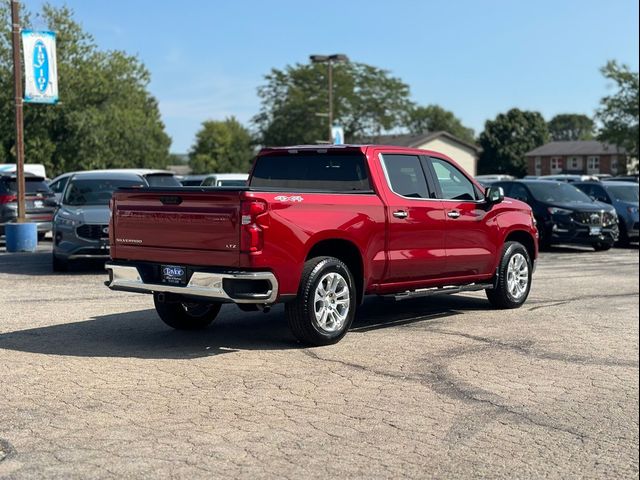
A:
[329,59]
[17,90]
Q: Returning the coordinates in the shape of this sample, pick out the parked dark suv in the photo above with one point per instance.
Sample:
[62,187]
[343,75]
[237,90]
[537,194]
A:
[565,214]
[624,198]
[39,202]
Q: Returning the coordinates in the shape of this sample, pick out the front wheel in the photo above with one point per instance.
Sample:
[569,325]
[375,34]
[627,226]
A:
[186,315]
[325,305]
[59,264]
[601,246]
[514,277]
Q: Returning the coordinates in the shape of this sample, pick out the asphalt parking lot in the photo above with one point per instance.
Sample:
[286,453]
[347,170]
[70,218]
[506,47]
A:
[95,386]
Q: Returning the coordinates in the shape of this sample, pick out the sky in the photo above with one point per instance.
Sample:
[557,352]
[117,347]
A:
[477,58]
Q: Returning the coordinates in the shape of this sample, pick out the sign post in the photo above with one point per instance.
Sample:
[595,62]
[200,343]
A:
[17,90]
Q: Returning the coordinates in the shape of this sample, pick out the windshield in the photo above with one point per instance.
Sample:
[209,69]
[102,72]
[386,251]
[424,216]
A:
[557,193]
[626,193]
[231,183]
[95,192]
[32,185]
[162,180]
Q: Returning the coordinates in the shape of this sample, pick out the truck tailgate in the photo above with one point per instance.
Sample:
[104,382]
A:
[151,224]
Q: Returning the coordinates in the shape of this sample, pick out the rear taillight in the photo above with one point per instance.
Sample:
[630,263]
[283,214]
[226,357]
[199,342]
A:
[7,199]
[251,233]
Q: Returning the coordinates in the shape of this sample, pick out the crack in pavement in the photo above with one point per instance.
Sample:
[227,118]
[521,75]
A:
[6,450]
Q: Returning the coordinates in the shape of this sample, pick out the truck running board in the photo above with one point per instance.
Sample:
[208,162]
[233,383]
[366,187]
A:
[425,292]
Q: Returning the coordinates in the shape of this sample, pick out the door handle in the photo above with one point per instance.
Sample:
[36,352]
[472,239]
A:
[400,214]
[453,214]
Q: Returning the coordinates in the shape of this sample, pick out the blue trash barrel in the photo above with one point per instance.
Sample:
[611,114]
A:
[21,237]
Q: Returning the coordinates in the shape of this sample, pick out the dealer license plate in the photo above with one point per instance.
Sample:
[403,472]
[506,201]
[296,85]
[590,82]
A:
[173,274]
[595,230]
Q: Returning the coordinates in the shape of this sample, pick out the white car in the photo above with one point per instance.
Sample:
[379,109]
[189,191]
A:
[225,180]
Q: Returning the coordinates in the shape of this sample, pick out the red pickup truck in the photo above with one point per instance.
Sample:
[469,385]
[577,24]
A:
[318,228]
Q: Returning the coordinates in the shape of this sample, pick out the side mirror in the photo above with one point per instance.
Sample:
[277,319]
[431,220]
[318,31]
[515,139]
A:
[493,195]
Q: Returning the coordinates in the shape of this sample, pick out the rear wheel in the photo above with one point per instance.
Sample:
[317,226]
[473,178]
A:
[325,305]
[514,277]
[186,315]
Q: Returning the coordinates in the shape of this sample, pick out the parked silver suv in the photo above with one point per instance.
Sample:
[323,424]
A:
[81,223]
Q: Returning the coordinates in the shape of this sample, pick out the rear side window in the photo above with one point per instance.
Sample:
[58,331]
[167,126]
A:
[162,181]
[519,192]
[312,171]
[406,175]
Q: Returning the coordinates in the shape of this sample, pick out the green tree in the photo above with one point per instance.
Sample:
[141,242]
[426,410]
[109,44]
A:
[106,116]
[506,139]
[221,147]
[619,113]
[367,101]
[434,118]
[571,126]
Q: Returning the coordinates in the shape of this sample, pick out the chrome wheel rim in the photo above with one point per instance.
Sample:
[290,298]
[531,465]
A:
[331,302]
[517,276]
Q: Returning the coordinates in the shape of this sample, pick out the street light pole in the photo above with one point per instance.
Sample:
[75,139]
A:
[329,59]
[330,67]
[17,90]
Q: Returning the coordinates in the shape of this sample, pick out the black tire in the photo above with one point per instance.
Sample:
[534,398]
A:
[301,312]
[544,236]
[501,296]
[602,246]
[185,315]
[623,240]
[58,264]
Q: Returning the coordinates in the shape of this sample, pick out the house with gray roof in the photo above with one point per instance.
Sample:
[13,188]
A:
[464,153]
[588,157]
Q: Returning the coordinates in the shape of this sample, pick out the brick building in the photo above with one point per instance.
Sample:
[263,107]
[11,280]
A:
[576,157]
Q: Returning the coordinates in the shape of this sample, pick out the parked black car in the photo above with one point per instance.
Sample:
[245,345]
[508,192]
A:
[39,202]
[624,198]
[565,214]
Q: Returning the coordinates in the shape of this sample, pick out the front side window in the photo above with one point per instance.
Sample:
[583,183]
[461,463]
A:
[454,185]
[406,176]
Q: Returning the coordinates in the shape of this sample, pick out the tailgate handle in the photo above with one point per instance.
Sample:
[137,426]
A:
[171,200]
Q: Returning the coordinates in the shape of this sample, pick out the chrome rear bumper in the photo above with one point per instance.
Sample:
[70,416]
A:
[214,286]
